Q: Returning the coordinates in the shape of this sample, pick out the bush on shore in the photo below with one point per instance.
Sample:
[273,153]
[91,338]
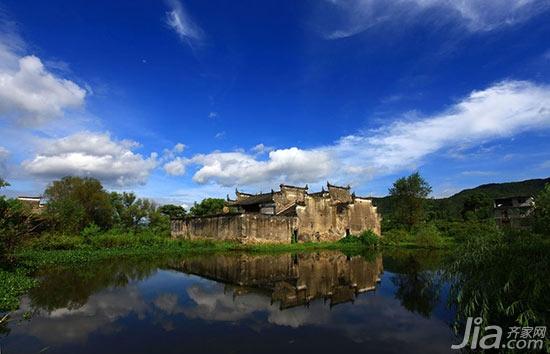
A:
[91,237]
[394,237]
[366,238]
[428,236]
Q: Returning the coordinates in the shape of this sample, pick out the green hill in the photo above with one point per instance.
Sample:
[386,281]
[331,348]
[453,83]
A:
[450,208]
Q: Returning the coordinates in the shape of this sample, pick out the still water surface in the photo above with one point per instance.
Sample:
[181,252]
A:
[325,302]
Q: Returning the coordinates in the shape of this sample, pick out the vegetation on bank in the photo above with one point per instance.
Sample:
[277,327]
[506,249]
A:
[453,208]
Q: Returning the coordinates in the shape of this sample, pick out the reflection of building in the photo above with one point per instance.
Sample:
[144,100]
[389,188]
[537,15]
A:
[284,215]
[513,211]
[291,280]
[36,204]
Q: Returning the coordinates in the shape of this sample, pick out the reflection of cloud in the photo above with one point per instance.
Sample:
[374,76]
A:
[373,319]
[376,322]
[167,303]
[213,304]
[69,325]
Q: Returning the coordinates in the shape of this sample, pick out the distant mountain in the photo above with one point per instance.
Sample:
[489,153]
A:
[453,205]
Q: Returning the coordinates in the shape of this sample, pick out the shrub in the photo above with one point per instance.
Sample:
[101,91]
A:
[369,238]
[366,238]
[466,231]
[57,242]
[395,236]
[90,231]
[428,236]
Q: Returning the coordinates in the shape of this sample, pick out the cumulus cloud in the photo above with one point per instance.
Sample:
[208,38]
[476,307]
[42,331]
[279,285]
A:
[92,154]
[354,17]
[31,94]
[179,20]
[179,147]
[290,165]
[502,110]
[176,167]
[261,149]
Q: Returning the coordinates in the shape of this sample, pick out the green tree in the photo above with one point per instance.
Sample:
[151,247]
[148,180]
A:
[477,206]
[409,195]
[173,211]
[208,206]
[75,202]
[131,212]
[3,183]
[16,222]
[542,211]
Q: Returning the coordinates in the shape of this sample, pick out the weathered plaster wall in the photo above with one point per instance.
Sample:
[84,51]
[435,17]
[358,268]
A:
[363,216]
[324,216]
[287,196]
[323,220]
[243,228]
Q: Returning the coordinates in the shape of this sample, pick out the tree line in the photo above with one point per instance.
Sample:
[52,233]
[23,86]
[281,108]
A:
[77,205]
[410,212]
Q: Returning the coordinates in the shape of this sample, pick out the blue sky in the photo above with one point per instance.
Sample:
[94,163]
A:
[180,100]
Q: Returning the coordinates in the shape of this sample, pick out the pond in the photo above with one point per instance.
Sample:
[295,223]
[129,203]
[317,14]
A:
[321,302]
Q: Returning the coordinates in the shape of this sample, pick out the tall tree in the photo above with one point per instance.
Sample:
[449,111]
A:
[131,212]
[173,211]
[208,206]
[409,195]
[3,183]
[75,202]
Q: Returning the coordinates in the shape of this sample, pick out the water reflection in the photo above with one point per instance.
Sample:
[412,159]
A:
[234,303]
[291,279]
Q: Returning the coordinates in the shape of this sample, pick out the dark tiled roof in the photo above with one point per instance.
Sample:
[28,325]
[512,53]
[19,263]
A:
[255,199]
[339,187]
[339,194]
[294,187]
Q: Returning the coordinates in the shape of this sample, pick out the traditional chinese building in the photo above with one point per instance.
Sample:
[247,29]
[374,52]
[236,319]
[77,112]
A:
[290,214]
[514,212]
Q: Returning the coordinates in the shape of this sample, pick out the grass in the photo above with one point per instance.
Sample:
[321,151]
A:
[33,257]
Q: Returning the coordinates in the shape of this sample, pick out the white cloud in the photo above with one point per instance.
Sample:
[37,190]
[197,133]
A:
[475,15]
[179,20]
[176,167]
[212,114]
[545,164]
[31,94]
[501,110]
[261,149]
[169,154]
[477,173]
[92,154]
[238,168]
[219,135]
[179,147]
